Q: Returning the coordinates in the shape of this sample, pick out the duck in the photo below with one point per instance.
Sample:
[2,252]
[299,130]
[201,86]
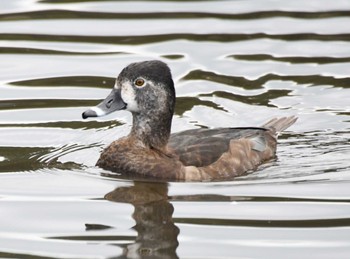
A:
[150,151]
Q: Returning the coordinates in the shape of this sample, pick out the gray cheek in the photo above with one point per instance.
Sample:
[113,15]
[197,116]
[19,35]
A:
[129,97]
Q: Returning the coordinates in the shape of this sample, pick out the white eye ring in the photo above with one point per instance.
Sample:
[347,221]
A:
[139,82]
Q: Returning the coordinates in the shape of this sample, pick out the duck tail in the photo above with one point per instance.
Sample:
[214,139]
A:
[280,124]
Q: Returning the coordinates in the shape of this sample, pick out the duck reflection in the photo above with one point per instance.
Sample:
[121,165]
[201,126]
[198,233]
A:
[156,231]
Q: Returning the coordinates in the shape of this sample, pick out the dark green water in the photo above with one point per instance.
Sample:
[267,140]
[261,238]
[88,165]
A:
[235,63]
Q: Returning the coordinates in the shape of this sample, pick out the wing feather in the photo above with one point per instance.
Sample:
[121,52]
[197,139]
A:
[202,147]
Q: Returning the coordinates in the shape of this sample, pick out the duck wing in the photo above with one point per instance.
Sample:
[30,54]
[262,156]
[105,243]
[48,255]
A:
[202,147]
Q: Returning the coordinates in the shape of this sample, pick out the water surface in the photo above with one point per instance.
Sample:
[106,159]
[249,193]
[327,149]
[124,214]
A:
[235,63]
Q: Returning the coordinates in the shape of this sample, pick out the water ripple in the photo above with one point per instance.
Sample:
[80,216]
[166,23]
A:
[234,63]
[156,38]
[71,14]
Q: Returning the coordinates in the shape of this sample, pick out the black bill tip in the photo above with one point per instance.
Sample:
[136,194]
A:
[89,113]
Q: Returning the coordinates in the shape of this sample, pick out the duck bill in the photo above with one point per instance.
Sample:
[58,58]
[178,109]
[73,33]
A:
[113,102]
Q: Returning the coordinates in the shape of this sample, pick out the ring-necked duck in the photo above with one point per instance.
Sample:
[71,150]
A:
[146,89]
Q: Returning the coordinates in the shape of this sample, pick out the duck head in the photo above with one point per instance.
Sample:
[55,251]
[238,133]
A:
[146,89]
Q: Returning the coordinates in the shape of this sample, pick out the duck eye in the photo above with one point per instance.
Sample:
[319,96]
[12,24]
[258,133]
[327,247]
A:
[139,82]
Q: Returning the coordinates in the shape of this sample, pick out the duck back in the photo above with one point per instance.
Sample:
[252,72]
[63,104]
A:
[202,147]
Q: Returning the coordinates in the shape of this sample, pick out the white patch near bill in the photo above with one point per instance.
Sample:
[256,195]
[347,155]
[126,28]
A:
[128,96]
[116,86]
[99,112]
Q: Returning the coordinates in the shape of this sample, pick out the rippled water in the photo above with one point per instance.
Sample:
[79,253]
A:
[235,63]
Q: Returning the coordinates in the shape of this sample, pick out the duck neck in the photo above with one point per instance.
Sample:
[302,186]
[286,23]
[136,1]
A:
[153,130]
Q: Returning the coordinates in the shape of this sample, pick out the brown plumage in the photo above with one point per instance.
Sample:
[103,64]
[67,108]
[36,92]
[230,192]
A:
[146,89]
